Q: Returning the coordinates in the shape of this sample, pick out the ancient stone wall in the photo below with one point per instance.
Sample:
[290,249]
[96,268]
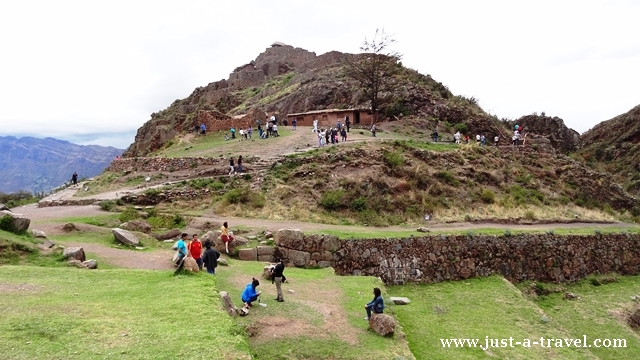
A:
[438,258]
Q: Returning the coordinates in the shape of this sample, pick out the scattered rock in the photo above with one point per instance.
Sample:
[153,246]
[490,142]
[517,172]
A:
[90,264]
[74,253]
[268,234]
[138,225]
[252,237]
[223,262]
[48,244]
[545,319]
[18,223]
[171,234]
[263,242]
[125,237]
[139,248]
[570,296]
[4,207]
[382,324]
[291,291]
[635,298]
[423,229]
[38,234]
[168,241]
[231,309]
[76,263]
[69,227]
[400,300]
[190,264]
[266,272]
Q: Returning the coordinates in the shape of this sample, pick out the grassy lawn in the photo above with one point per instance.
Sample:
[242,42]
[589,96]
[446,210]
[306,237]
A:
[600,313]
[322,319]
[57,313]
[214,144]
[109,220]
[475,308]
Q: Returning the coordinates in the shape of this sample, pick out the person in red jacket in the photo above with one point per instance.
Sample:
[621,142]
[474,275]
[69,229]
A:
[195,250]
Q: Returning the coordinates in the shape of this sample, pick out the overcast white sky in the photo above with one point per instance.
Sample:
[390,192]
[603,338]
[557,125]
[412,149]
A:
[92,72]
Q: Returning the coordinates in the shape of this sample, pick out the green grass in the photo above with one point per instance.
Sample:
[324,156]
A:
[213,144]
[315,290]
[114,314]
[425,145]
[475,308]
[600,313]
[108,220]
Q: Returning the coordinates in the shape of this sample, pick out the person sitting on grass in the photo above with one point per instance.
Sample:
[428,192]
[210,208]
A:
[376,305]
[250,294]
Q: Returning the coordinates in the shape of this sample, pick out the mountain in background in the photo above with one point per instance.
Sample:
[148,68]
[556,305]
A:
[40,165]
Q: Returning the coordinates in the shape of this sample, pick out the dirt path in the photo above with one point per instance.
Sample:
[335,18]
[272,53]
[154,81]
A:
[148,260]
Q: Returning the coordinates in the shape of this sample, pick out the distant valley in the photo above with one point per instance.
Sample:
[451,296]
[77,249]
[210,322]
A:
[39,165]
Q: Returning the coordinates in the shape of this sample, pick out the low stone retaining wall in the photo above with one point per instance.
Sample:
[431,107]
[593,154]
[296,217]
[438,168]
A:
[75,202]
[430,259]
[163,164]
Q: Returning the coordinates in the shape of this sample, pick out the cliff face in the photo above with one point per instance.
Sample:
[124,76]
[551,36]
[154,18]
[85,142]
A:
[614,146]
[284,80]
[39,165]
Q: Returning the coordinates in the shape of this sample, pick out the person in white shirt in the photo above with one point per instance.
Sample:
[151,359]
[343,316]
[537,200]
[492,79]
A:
[315,125]
[274,129]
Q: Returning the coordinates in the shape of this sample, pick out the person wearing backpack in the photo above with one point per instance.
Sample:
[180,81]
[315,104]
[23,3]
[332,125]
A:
[376,305]
[210,258]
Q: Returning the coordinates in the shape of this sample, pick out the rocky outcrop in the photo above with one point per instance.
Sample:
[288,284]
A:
[125,237]
[171,234]
[560,136]
[137,225]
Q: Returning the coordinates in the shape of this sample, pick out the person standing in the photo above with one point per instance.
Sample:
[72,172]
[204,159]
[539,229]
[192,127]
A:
[74,179]
[376,305]
[274,129]
[182,248]
[203,129]
[315,125]
[373,130]
[232,168]
[347,122]
[276,277]
[225,236]
[495,140]
[195,250]
[250,294]
[239,164]
[210,258]
[233,133]
[294,123]
[343,134]
[250,131]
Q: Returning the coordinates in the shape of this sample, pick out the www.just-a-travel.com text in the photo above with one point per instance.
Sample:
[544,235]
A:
[488,343]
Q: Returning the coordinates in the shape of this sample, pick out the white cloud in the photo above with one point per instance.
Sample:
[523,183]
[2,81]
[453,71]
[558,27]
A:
[71,69]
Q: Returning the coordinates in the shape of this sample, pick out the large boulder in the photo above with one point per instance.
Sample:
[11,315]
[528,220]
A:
[290,238]
[17,223]
[190,264]
[90,264]
[138,225]
[74,253]
[299,258]
[171,234]
[218,244]
[125,237]
[382,324]
[400,300]
[231,309]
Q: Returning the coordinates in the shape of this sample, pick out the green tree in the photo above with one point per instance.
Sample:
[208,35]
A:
[374,70]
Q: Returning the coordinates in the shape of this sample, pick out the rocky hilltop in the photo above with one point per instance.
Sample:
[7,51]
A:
[284,79]
[553,129]
[39,165]
[614,146]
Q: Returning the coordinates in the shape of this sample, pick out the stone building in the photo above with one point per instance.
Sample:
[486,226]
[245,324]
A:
[329,117]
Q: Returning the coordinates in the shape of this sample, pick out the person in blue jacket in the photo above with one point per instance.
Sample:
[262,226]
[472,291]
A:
[376,305]
[250,294]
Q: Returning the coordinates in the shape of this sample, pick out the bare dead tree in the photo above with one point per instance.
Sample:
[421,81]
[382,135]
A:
[375,69]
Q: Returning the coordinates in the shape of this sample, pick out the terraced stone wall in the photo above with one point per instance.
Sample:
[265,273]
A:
[431,259]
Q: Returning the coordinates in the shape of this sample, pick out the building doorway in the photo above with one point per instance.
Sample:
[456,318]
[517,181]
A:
[357,117]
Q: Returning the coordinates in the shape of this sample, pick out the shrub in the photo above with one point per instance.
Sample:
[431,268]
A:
[359,204]
[245,196]
[530,215]
[487,196]
[507,233]
[128,214]
[332,199]
[107,205]
[6,223]
[462,127]
[447,177]
[393,159]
